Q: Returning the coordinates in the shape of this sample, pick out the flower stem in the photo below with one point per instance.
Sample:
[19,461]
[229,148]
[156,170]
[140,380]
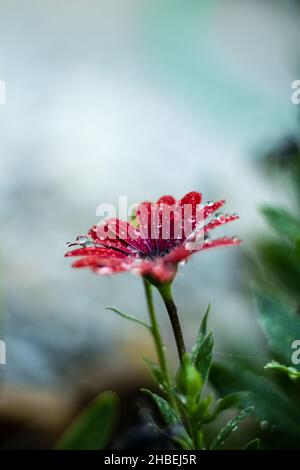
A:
[166,293]
[156,332]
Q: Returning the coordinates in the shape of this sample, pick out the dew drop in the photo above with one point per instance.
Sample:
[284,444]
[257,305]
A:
[210,203]
[81,240]
[264,425]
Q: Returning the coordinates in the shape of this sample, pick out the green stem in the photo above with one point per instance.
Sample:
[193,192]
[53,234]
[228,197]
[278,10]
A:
[166,293]
[199,441]
[156,333]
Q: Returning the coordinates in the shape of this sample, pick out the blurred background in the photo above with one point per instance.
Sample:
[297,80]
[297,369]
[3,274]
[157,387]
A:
[138,98]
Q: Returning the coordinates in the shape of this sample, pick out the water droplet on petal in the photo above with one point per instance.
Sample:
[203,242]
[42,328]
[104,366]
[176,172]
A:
[81,240]
[220,217]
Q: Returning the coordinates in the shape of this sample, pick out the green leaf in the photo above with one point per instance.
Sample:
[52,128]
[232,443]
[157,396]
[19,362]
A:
[297,250]
[129,317]
[184,444]
[280,324]
[168,413]
[252,445]
[258,391]
[227,402]
[201,412]
[280,260]
[203,356]
[156,372]
[283,222]
[201,334]
[171,418]
[93,427]
[230,427]
[292,373]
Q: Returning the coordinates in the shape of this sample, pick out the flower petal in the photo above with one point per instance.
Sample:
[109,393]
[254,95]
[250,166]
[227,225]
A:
[97,262]
[211,207]
[224,241]
[120,235]
[169,200]
[192,198]
[96,251]
[221,220]
[177,255]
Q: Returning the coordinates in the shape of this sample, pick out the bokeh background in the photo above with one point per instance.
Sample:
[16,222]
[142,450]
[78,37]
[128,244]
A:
[138,98]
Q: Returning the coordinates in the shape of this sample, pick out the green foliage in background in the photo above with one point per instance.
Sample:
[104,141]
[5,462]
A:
[92,429]
[275,389]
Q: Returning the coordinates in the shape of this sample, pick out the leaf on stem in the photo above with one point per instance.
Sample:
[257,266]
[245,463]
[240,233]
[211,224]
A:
[168,413]
[226,402]
[202,356]
[156,372]
[252,445]
[129,317]
[291,372]
[201,334]
[230,427]
[171,418]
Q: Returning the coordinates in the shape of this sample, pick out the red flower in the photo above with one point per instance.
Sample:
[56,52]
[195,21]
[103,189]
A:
[166,233]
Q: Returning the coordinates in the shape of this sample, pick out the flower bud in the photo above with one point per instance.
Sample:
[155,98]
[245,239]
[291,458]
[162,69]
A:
[188,379]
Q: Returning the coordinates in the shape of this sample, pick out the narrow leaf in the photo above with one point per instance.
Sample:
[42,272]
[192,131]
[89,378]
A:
[227,402]
[201,334]
[156,371]
[168,414]
[171,418]
[203,356]
[292,373]
[283,222]
[252,445]
[129,317]
[230,427]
